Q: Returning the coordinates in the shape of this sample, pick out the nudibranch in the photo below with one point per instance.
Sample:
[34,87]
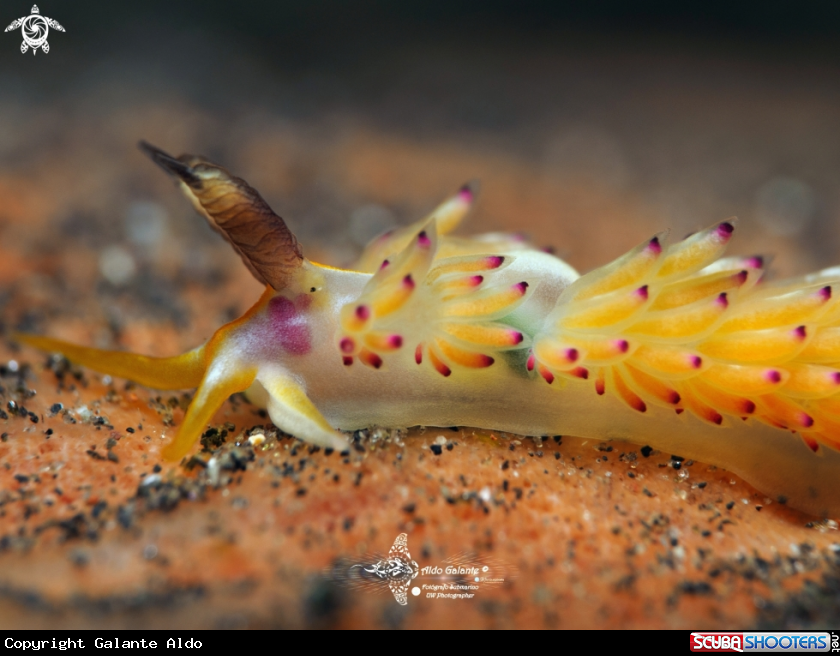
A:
[671,346]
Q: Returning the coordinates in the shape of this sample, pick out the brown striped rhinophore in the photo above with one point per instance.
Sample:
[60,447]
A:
[236,211]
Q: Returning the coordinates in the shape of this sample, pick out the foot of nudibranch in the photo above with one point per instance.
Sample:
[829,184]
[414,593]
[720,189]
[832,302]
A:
[292,411]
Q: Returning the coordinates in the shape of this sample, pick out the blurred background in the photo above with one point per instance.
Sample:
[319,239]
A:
[590,125]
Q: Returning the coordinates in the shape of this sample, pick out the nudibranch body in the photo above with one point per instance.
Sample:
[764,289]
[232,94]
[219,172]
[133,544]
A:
[672,346]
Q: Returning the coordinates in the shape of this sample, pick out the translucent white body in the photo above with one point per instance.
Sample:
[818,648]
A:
[503,397]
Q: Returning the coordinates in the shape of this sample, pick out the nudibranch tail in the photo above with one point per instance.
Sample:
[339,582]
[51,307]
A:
[178,372]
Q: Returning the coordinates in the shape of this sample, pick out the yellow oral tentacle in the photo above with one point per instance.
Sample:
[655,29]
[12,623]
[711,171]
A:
[178,372]
[219,383]
[291,410]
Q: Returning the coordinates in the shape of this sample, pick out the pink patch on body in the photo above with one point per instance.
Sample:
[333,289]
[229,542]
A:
[289,325]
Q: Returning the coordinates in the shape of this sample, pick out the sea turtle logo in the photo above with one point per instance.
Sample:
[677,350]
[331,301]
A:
[35,29]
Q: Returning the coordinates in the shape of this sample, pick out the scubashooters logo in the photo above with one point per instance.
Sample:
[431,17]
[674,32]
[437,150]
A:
[35,29]
[765,642]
